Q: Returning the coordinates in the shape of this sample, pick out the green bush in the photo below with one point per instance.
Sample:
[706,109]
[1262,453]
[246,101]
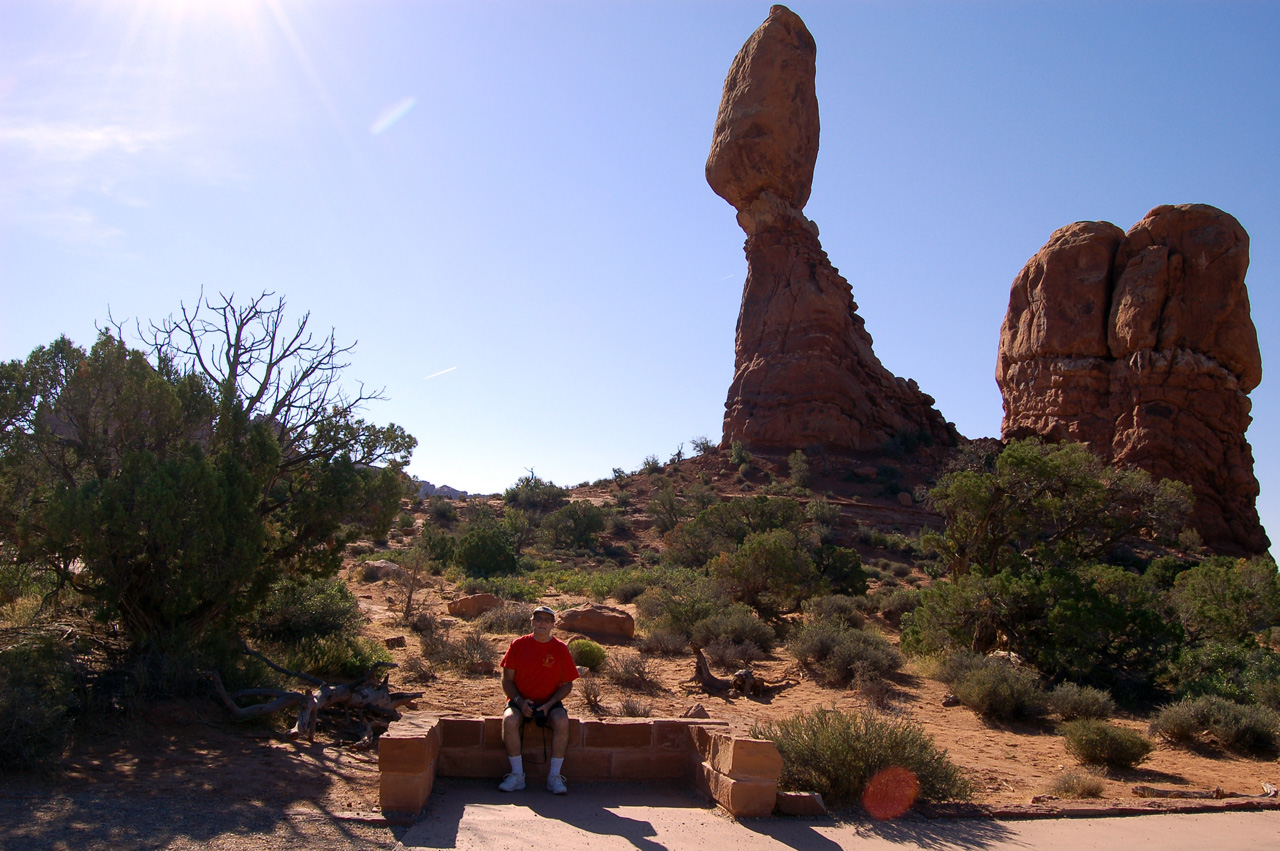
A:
[536,496]
[667,508]
[651,465]
[1240,672]
[625,592]
[678,603]
[1073,702]
[1000,691]
[842,654]
[486,549]
[837,753]
[507,587]
[587,654]
[576,525]
[442,510]
[1095,742]
[465,655]
[738,454]
[841,569]
[37,683]
[1248,729]
[333,656]
[735,624]
[770,572]
[820,511]
[798,467]
[893,606]
[306,607]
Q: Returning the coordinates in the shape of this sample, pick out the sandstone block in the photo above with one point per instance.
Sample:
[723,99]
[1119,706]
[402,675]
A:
[807,804]
[597,620]
[474,605]
[648,764]
[461,732]
[404,793]
[747,758]
[619,734]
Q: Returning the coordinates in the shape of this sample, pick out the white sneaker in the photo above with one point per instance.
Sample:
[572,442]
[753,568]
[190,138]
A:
[514,783]
[555,784]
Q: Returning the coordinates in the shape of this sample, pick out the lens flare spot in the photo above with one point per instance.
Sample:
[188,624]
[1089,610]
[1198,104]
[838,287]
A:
[890,793]
[391,115]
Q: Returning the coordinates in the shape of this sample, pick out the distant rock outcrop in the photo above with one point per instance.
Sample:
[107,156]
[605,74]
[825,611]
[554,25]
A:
[805,373]
[1141,345]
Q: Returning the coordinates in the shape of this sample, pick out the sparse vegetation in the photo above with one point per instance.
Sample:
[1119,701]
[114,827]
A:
[1072,702]
[837,753]
[632,672]
[37,683]
[1095,742]
[1076,784]
[1249,729]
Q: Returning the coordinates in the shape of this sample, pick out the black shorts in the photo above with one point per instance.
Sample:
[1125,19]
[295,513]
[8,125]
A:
[541,721]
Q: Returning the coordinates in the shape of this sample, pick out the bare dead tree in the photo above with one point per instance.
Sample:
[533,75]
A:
[375,703]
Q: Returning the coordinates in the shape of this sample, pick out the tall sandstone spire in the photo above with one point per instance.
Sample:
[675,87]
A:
[804,372]
[1141,345]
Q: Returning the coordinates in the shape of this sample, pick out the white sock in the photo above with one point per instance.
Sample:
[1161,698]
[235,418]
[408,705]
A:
[556,762]
[517,764]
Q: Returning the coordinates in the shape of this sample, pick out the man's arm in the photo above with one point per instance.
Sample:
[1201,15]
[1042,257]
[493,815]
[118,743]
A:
[510,690]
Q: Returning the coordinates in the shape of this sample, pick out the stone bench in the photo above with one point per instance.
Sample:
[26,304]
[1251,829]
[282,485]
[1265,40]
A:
[740,774]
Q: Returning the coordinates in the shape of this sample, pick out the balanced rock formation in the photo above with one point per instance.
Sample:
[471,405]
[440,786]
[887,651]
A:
[1141,345]
[805,374]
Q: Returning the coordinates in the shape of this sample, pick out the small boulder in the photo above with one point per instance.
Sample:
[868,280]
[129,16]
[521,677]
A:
[474,606]
[905,500]
[597,620]
[696,711]
[394,642]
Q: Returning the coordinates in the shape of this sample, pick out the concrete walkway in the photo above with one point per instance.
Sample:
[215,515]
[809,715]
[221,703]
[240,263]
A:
[474,815]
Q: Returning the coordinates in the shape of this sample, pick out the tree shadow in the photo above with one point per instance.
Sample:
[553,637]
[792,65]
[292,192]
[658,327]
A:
[174,783]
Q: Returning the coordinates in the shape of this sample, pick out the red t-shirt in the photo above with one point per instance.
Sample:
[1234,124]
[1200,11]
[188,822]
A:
[541,666]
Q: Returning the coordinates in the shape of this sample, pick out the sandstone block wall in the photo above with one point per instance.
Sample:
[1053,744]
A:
[738,773]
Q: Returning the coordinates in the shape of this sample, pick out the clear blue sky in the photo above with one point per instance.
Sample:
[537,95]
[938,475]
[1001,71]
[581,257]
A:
[514,192]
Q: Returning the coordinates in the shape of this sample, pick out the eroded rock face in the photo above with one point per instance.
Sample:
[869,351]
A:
[597,620]
[805,373]
[1141,345]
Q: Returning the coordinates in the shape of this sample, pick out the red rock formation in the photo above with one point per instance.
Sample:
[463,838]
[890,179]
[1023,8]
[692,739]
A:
[805,373]
[1142,346]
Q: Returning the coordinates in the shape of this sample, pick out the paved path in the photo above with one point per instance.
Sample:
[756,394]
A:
[474,815]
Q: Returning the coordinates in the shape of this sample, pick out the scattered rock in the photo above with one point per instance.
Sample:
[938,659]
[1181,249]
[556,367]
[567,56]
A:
[474,606]
[808,804]
[394,642]
[905,500]
[1141,345]
[597,620]
[805,373]
[952,700]
[696,711]
[482,667]
[380,569]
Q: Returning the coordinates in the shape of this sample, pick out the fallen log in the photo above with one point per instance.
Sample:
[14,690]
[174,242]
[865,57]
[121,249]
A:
[376,704]
[1217,793]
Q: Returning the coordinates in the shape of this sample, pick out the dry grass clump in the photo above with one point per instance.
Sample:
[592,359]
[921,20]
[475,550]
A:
[664,642]
[1096,742]
[632,672]
[1076,784]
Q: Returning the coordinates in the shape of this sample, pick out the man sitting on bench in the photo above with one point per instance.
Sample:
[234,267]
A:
[537,674]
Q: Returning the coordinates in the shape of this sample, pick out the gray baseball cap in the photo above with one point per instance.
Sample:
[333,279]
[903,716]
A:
[544,610]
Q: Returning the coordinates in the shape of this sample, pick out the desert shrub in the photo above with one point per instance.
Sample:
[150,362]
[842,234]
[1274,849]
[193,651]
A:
[466,654]
[634,707]
[1249,729]
[841,569]
[733,655]
[663,643]
[359,549]
[894,606]
[734,624]
[625,592]
[577,524]
[1072,702]
[632,672]
[305,607]
[738,454]
[1000,691]
[819,510]
[678,603]
[1225,599]
[424,622]
[1242,672]
[1076,784]
[507,587]
[587,653]
[702,445]
[442,510]
[535,495]
[667,508]
[900,570]
[37,682]
[1095,742]
[840,608]
[592,692]
[510,619]
[798,467]
[332,656]
[651,465]
[837,753]
[486,549]
[841,654]
[770,572]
